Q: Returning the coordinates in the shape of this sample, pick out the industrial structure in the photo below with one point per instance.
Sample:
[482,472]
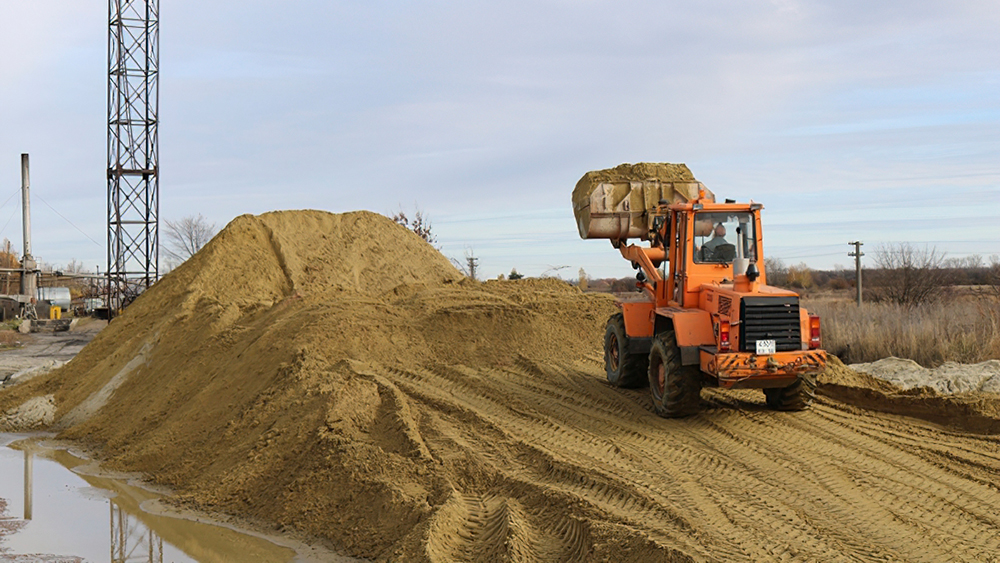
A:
[133,150]
[29,269]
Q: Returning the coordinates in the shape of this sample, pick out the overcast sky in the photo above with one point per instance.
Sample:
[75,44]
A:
[877,121]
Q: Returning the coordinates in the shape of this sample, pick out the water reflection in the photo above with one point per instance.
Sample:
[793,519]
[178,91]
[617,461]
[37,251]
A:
[29,472]
[130,541]
[94,518]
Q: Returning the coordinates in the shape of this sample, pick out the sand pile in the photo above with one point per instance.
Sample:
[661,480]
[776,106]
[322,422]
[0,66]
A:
[259,378]
[33,414]
[615,203]
[951,377]
[955,395]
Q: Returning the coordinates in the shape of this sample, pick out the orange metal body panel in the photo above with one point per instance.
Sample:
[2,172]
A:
[638,318]
[745,369]
[693,327]
[804,324]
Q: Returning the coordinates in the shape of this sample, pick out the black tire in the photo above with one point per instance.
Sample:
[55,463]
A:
[796,397]
[675,388]
[623,369]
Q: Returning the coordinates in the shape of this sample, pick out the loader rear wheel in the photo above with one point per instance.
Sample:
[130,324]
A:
[675,388]
[623,369]
[796,397]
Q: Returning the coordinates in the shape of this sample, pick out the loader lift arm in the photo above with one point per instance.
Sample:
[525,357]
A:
[648,259]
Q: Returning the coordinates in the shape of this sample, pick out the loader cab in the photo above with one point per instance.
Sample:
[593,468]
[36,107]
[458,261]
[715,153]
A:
[707,238]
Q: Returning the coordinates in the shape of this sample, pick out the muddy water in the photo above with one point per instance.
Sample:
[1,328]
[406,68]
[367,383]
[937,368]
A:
[75,516]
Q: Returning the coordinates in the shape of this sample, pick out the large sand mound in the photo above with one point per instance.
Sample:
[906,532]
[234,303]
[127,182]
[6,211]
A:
[332,374]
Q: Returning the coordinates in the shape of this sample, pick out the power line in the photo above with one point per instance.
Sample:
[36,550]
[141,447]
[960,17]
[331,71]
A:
[9,219]
[16,191]
[796,257]
[65,219]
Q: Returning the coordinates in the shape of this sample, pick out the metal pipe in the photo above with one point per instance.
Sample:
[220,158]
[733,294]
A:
[26,205]
[29,281]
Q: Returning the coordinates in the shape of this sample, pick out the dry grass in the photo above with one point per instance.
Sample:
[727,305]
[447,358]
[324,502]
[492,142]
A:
[959,329]
[10,339]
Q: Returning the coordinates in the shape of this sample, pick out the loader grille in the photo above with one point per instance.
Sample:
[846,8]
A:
[774,318]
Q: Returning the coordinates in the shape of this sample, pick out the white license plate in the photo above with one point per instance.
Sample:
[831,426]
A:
[765,347]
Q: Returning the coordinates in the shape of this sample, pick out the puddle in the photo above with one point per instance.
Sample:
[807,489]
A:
[53,511]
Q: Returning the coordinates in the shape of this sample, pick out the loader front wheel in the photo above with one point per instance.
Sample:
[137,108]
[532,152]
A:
[675,388]
[796,397]
[623,369]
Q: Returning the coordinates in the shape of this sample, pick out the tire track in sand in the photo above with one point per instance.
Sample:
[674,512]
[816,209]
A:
[734,483]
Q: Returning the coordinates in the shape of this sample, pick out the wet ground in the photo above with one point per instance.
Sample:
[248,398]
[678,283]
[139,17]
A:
[57,514]
[44,350]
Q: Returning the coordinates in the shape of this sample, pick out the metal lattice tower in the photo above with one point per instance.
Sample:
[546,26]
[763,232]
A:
[133,149]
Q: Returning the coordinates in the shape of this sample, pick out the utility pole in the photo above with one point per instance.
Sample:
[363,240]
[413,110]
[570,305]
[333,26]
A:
[857,254]
[473,264]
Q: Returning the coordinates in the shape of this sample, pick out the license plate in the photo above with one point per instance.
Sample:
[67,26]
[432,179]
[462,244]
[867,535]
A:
[765,347]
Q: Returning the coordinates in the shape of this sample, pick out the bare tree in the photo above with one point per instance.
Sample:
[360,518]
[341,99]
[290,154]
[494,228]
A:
[182,239]
[993,276]
[420,224]
[74,267]
[777,272]
[907,275]
[547,273]
[8,256]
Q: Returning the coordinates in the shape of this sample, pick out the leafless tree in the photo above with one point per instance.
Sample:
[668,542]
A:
[420,224]
[547,273]
[777,272]
[907,275]
[74,267]
[8,256]
[993,276]
[182,239]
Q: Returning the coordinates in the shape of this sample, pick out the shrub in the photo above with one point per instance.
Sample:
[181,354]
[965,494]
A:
[960,330]
[906,275]
[839,283]
[800,276]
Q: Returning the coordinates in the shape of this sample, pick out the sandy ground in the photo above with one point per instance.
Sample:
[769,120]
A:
[39,354]
[330,375]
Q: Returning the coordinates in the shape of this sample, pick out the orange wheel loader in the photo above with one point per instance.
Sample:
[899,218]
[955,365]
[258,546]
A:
[707,317]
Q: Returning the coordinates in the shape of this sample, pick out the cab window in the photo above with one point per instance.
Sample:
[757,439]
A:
[721,237]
